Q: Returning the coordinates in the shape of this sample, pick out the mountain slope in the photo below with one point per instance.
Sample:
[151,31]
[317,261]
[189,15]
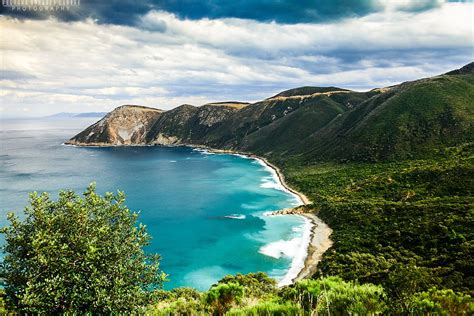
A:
[402,122]
[408,120]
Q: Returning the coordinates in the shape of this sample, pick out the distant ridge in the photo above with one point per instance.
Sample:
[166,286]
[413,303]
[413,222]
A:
[412,119]
[307,91]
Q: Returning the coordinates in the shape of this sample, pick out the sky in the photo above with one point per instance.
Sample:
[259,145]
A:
[98,55]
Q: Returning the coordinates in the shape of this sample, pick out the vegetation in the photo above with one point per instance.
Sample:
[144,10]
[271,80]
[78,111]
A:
[78,254]
[407,226]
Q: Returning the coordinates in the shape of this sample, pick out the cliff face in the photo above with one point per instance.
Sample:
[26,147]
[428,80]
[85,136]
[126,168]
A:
[310,123]
[139,125]
[126,125]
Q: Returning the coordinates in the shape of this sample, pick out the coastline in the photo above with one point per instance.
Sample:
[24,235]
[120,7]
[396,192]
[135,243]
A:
[319,244]
[318,241]
[317,232]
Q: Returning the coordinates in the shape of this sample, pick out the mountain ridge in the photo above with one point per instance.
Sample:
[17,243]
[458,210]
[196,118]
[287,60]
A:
[310,123]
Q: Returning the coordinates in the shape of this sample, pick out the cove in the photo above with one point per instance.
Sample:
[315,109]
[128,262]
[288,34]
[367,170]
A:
[206,212]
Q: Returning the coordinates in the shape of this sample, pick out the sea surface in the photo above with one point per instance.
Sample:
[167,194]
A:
[206,212]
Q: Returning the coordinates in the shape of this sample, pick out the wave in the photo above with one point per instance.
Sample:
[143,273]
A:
[271,183]
[274,182]
[242,156]
[296,249]
[203,151]
[281,248]
[235,216]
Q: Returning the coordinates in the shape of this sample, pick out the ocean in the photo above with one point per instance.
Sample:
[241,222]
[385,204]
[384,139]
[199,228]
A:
[206,212]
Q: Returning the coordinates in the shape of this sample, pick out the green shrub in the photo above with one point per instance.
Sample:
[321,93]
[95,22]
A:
[256,284]
[441,302]
[179,306]
[187,293]
[267,309]
[334,296]
[78,254]
[221,297]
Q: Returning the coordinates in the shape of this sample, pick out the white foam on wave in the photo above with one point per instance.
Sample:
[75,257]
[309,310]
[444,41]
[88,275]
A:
[242,156]
[235,216]
[295,248]
[203,151]
[281,248]
[172,160]
[273,182]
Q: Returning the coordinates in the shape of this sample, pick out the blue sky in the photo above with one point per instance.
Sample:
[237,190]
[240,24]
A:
[102,54]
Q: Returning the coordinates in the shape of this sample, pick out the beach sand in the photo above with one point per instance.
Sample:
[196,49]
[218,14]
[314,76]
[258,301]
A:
[320,242]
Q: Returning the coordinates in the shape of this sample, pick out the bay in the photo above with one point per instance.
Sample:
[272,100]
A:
[206,212]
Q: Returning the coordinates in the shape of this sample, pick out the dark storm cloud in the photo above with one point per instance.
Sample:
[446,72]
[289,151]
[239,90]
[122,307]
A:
[128,12]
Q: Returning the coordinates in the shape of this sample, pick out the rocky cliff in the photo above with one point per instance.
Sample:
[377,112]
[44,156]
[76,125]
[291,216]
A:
[126,125]
[312,123]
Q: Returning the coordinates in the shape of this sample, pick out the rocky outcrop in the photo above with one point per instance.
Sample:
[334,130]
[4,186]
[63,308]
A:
[140,125]
[126,125]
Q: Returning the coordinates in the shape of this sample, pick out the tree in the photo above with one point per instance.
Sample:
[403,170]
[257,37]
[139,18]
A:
[78,254]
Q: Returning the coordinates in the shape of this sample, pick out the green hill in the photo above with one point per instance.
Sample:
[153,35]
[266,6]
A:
[409,120]
[405,121]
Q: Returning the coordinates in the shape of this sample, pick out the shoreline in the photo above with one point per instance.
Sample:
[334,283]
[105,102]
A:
[319,240]
[319,232]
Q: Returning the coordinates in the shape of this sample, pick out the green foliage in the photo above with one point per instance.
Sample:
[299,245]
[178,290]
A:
[324,296]
[78,254]
[4,308]
[177,306]
[441,302]
[404,122]
[267,308]
[256,284]
[186,293]
[221,297]
[334,296]
[406,225]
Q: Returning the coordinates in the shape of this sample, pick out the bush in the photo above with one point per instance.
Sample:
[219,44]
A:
[187,293]
[441,302]
[221,297]
[334,296]
[78,254]
[179,306]
[256,284]
[267,308]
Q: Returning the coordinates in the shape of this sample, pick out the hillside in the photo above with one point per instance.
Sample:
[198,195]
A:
[408,120]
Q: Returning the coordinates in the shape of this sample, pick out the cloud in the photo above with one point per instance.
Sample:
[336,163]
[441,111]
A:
[128,12]
[164,60]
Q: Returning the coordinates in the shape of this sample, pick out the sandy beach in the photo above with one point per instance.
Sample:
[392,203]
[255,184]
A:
[320,242]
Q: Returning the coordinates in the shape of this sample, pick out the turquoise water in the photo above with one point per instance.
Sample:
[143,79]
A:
[204,211]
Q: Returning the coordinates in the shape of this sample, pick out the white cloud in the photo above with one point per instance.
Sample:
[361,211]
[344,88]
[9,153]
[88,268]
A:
[83,66]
